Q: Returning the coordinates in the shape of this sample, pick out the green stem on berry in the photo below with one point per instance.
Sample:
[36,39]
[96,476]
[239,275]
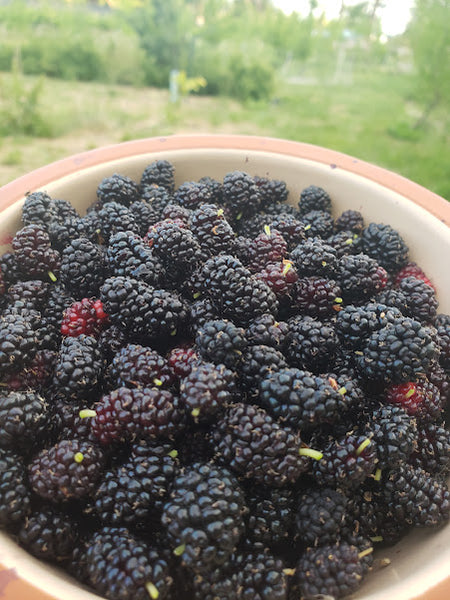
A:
[152,590]
[238,216]
[365,552]
[348,241]
[289,572]
[307,227]
[363,445]
[359,353]
[377,475]
[196,295]
[52,276]
[338,300]
[179,550]
[195,412]
[376,538]
[157,382]
[173,453]
[287,266]
[410,393]
[173,332]
[310,453]
[267,230]
[87,412]
[342,390]
[78,457]
[324,263]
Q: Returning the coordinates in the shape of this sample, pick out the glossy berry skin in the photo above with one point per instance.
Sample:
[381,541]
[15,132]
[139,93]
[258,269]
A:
[346,462]
[350,220]
[256,447]
[316,296]
[118,188]
[320,516]
[82,268]
[204,515]
[398,353]
[220,341]
[420,399]
[412,270]
[122,567]
[161,173]
[181,359]
[360,277]
[314,197]
[136,366]
[207,390]
[280,277]
[310,344]
[417,498]
[314,258]
[268,247]
[86,316]
[240,194]
[126,414]
[385,245]
[15,493]
[24,420]
[266,330]
[333,571]
[68,470]
[34,254]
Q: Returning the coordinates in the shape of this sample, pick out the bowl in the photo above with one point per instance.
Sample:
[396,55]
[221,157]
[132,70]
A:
[419,564]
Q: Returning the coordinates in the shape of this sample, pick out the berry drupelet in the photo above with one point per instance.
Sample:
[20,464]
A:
[220,341]
[131,494]
[253,445]
[68,470]
[78,369]
[271,190]
[175,245]
[394,433]
[310,344]
[403,351]
[24,421]
[412,270]
[420,399]
[360,277]
[300,399]
[354,324]
[443,335]
[314,258]
[126,414]
[114,217]
[346,462]
[191,194]
[82,268]
[207,390]
[161,173]
[136,366]
[280,277]
[38,208]
[15,494]
[350,220]
[432,452]
[84,317]
[257,362]
[271,516]
[320,516]
[314,197]
[212,230]
[317,223]
[385,245]
[240,194]
[19,342]
[415,497]
[33,293]
[140,310]
[316,296]
[332,570]
[49,534]
[290,228]
[35,257]
[266,330]
[181,359]
[204,516]
[123,567]
[128,255]
[420,299]
[118,188]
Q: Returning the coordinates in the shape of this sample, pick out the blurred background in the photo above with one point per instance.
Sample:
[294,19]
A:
[371,79]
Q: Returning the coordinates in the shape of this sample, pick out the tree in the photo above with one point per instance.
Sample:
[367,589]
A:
[429,34]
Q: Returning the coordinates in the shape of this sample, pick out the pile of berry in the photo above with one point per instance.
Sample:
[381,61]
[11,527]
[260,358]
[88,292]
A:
[210,394]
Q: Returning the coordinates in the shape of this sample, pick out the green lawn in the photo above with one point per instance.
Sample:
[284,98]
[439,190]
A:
[370,119]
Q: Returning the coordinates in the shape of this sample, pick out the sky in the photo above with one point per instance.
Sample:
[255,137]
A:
[394,17]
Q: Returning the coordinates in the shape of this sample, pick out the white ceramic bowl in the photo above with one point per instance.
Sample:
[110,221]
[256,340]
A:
[420,563]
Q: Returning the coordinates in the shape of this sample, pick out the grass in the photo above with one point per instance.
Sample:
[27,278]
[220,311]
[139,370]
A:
[371,119]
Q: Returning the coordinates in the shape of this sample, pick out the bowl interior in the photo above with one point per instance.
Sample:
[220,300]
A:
[421,560]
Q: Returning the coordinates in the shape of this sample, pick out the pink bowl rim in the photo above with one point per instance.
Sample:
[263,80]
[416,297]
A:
[39,178]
